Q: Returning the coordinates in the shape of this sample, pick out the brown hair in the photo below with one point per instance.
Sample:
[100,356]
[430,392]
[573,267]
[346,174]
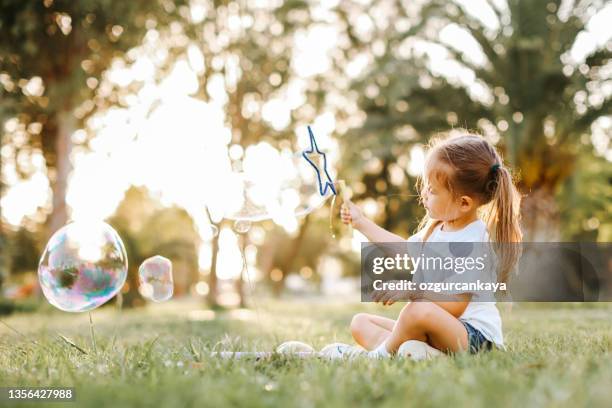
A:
[469,165]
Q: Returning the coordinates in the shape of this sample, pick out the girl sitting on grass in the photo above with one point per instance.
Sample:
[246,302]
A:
[470,197]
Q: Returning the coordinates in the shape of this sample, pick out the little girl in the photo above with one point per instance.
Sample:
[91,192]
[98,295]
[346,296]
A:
[470,197]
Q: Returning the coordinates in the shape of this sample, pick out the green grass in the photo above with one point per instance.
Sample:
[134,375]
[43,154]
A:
[557,356]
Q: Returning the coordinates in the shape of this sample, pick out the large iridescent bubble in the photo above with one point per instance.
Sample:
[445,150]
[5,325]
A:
[155,276]
[83,266]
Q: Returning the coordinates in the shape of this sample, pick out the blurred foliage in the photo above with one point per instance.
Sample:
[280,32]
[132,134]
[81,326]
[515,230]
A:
[148,229]
[53,54]
[52,57]
[4,256]
[252,59]
[20,248]
[23,250]
[536,104]
[8,307]
[290,254]
[584,201]
[248,48]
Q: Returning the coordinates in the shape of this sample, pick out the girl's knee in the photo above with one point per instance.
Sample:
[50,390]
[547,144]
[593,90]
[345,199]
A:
[358,323]
[417,313]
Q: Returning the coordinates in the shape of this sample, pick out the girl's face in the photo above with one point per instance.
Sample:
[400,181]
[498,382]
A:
[439,202]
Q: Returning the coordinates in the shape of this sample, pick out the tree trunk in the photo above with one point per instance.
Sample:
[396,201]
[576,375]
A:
[240,281]
[4,250]
[132,297]
[3,254]
[211,299]
[540,216]
[212,278]
[66,124]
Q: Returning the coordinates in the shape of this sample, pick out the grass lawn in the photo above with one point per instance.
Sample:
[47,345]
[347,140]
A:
[557,356]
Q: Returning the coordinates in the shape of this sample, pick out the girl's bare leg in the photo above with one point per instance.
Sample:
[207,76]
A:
[428,322]
[370,330]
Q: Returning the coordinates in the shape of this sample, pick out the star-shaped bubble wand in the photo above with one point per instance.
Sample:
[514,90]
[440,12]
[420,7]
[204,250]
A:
[328,184]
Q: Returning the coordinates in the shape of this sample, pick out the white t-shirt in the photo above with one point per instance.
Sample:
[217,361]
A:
[483,316]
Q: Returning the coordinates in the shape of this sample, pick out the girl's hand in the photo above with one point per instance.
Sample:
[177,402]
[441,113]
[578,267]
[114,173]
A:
[351,214]
[388,297]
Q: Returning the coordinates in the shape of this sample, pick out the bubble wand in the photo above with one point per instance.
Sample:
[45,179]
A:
[346,198]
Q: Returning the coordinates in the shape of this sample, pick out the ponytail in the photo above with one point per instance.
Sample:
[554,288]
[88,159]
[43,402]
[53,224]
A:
[502,220]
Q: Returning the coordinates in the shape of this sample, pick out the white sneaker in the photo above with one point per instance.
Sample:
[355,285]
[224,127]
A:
[294,347]
[418,350]
[336,351]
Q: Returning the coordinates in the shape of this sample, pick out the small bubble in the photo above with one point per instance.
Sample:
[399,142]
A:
[155,276]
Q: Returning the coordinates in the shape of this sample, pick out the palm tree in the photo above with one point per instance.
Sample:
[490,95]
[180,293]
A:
[537,99]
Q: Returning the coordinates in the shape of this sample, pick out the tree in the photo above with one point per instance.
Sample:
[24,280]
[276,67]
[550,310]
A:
[52,56]
[534,100]
[23,251]
[584,203]
[147,230]
[211,298]
[247,49]
[284,255]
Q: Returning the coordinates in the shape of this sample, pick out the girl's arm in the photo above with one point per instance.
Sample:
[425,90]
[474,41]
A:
[352,214]
[375,233]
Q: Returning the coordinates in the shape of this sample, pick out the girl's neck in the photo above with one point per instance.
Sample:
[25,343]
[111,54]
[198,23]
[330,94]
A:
[459,223]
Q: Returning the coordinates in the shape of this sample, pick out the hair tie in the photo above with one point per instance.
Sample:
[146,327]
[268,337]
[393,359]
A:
[495,167]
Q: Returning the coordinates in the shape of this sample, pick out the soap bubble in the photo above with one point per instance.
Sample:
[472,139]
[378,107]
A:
[83,266]
[155,276]
[283,189]
[242,226]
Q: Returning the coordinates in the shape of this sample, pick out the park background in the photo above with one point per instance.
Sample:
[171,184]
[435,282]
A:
[126,111]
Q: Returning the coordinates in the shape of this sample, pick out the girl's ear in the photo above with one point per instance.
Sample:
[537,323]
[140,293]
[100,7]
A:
[466,203]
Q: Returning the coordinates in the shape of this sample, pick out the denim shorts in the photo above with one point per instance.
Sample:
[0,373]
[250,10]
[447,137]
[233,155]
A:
[476,340]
